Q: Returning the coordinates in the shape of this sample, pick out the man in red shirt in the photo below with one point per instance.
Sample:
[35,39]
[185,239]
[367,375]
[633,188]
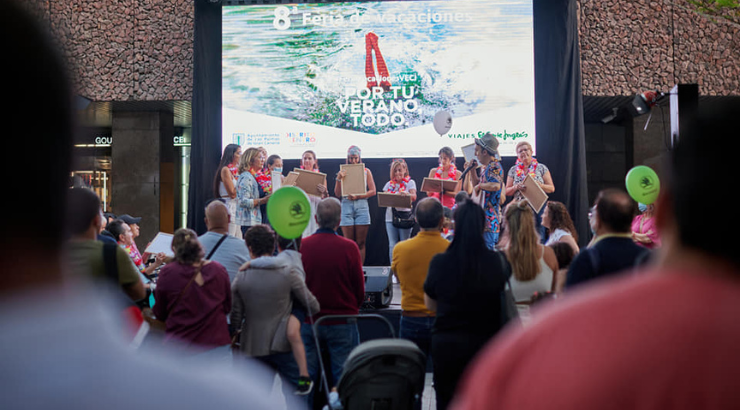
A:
[665,338]
[334,275]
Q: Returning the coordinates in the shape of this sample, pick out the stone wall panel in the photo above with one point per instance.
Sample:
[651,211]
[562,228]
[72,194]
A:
[122,50]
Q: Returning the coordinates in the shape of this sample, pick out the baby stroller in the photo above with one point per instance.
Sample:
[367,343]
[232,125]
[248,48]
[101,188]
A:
[380,374]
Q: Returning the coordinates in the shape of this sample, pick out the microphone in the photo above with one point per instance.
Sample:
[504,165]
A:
[472,165]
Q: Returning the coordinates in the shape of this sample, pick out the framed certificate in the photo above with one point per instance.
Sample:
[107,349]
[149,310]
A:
[354,182]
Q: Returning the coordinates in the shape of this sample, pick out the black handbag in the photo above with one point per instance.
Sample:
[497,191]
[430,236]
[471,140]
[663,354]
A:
[403,219]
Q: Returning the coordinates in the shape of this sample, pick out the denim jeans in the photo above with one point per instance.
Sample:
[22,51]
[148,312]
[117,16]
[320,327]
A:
[418,330]
[285,365]
[395,235]
[338,340]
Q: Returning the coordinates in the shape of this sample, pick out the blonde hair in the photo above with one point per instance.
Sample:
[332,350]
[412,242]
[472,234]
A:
[523,143]
[247,158]
[398,163]
[523,241]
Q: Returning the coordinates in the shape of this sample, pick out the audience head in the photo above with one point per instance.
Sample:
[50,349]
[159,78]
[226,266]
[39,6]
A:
[232,154]
[121,232]
[522,239]
[429,214]
[461,197]
[556,216]
[329,213]
[614,212]
[217,216]
[681,206]
[260,240]
[285,243]
[133,223]
[83,212]
[470,222]
[251,158]
[109,217]
[33,71]
[186,246]
[564,254]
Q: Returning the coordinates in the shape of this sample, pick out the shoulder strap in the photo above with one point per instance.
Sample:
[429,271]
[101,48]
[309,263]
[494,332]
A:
[197,272]
[220,241]
[109,261]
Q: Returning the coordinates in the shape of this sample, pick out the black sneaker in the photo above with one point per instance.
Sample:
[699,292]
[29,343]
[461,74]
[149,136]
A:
[305,385]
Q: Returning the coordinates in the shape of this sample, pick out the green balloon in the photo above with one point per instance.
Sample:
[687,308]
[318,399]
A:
[643,184]
[289,211]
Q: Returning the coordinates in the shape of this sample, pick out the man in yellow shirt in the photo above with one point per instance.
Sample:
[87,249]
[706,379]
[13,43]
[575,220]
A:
[410,265]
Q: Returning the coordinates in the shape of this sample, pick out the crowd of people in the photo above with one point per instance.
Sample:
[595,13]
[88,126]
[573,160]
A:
[251,289]
[644,318]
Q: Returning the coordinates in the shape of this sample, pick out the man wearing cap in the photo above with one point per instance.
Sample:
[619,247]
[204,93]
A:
[489,182]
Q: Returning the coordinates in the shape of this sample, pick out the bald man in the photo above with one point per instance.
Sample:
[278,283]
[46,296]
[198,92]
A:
[334,275]
[230,251]
[613,251]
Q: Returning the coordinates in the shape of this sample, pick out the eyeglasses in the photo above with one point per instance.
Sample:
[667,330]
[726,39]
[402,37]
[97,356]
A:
[591,211]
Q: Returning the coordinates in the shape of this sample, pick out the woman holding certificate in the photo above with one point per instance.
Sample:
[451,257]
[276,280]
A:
[446,170]
[527,165]
[400,184]
[309,162]
[355,209]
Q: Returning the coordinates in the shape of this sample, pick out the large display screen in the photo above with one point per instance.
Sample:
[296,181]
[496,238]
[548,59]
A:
[396,78]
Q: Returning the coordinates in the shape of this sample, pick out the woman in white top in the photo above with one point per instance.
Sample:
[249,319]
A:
[224,184]
[402,184]
[557,220]
[533,264]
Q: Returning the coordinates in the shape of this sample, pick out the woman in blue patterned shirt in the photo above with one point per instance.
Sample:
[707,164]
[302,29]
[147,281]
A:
[248,198]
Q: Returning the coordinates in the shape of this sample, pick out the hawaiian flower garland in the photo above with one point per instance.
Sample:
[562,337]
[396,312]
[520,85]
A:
[263,180]
[451,173]
[532,169]
[234,168]
[395,188]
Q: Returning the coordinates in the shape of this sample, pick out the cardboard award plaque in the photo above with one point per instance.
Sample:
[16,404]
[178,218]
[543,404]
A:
[534,194]
[308,181]
[354,182]
[438,185]
[388,200]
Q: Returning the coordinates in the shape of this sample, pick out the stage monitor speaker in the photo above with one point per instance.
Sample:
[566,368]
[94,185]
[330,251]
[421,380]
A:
[378,286]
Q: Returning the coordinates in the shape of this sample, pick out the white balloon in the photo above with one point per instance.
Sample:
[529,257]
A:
[442,122]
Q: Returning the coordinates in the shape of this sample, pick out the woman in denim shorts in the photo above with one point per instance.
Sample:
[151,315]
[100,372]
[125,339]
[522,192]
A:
[355,209]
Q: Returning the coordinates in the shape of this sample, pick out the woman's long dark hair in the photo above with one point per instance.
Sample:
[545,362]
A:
[226,159]
[560,218]
[468,244]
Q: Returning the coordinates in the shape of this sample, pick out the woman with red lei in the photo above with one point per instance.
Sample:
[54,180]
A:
[400,183]
[525,165]
[309,162]
[224,183]
[446,170]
